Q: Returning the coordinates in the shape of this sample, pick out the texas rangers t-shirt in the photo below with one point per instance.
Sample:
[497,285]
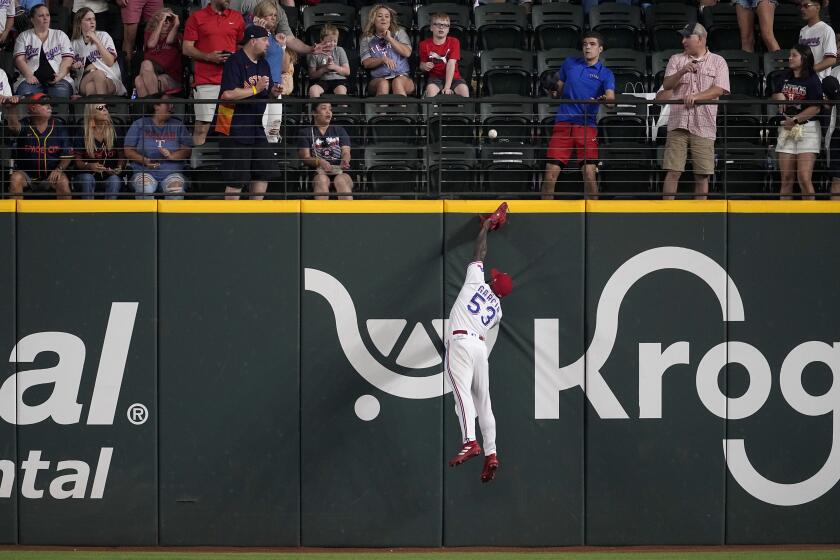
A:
[477,309]
[325,145]
[440,55]
[147,138]
[581,81]
[820,37]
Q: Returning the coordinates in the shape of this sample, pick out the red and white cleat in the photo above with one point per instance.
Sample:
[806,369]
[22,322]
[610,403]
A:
[471,449]
[491,464]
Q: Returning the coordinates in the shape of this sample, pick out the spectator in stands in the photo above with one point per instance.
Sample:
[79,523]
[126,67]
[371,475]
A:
[133,11]
[162,69]
[99,154]
[746,11]
[43,56]
[95,57]
[43,150]
[157,148]
[104,19]
[329,72]
[6,96]
[799,133]
[575,124]
[280,64]
[694,75]
[819,36]
[831,90]
[326,149]
[439,57]
[244,146]
[210,38]
[385,48]
[249,6]
[7,22]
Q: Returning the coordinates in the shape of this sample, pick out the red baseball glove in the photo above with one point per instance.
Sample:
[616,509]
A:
[497,218]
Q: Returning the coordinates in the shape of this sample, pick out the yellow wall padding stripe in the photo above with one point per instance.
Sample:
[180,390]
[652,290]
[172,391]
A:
[372,206]
[85,206]
[784,206]
[514,206]
[652,206]
[228,206]
[8,206]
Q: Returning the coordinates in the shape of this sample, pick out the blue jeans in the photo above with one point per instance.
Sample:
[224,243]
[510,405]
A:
[59,89]
[87,183]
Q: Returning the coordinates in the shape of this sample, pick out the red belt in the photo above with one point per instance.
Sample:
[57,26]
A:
[466,332]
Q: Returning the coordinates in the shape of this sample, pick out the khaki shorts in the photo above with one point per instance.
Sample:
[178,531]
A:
[204,112]
[676,149]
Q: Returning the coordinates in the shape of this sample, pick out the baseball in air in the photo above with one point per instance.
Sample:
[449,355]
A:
[492,133]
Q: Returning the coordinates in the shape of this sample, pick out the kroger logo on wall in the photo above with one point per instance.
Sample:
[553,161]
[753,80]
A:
[551,377]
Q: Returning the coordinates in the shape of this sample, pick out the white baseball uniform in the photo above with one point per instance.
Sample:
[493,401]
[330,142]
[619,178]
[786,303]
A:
[88,53]
[56,48]
[477,309]
[820,37]
[7,10]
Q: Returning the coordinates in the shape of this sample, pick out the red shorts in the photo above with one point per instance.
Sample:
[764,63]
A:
[140,8]
[567,136]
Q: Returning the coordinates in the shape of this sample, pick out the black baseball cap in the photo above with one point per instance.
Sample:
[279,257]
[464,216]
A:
[253,32]
[693,29]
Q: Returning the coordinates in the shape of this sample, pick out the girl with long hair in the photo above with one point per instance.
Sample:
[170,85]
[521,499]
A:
[95,57]
[799,133]
[99,155]
[385,48]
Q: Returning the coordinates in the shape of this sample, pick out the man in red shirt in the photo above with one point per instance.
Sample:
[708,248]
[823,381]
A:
[439,56]
[210,37]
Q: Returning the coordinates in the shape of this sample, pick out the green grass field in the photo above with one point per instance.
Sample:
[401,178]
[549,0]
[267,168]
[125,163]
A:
[442,555]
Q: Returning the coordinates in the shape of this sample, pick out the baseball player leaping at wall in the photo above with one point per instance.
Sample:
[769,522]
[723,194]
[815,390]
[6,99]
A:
[476,311]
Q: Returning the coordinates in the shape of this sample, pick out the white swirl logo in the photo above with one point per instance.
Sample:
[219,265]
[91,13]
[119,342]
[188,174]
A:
[418,352]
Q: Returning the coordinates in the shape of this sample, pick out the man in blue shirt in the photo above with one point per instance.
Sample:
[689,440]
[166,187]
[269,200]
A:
[575,124]
[246,75]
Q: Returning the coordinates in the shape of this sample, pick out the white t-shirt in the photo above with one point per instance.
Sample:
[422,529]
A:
[98,6]
[89,54]
[477,309]
[56,47]
[820,37]
[5,88]
[7,10]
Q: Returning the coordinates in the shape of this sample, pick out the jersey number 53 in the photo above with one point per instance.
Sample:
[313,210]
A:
[475,308]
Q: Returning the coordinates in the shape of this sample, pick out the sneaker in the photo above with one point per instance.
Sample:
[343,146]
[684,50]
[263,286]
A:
[471,449]
[491,464]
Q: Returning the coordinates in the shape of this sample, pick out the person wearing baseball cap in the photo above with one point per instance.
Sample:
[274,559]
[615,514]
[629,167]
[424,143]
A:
[246,76]
[43,151]
[696,74]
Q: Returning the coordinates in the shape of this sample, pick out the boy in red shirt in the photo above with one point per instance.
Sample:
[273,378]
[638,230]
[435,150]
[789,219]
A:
[439,57]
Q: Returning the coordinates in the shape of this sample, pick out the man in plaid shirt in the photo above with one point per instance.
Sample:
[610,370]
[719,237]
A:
[693,75]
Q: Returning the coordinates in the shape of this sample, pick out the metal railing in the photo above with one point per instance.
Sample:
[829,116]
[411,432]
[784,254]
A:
[451,147]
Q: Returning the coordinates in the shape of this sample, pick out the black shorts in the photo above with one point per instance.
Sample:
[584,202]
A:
[330,85]
[247,162]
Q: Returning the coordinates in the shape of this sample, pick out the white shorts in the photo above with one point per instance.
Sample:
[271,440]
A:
[204,111]
[808,144]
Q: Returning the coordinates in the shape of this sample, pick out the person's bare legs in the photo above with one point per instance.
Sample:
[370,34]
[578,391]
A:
[787,174]
[431,90]
[343,184]
[590,182]
[804,173]
[669,185]
[766,11]
[96,83]
[379,86]
[315,90]
[402,85]
[232,193]
[462,90]
[835,188]
[200,131]
[552,171]
[701,186]
[746,24]
[147,80]
[321,186]
[129,38]
[339,90]
[257,189]
[17,182]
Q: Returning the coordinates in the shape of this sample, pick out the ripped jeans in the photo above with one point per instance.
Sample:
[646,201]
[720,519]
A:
[173,185]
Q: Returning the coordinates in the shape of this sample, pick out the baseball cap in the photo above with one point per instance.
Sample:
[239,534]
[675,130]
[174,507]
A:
[253,32]
[501,284]
[693,29]
[38,97]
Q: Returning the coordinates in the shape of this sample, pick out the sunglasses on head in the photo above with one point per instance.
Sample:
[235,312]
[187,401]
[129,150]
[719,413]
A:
[101,107]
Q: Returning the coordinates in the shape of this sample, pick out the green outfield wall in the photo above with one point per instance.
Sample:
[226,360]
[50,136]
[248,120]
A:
[271,374]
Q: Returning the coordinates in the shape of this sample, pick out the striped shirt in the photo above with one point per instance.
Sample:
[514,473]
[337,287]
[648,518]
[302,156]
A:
[712,70]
